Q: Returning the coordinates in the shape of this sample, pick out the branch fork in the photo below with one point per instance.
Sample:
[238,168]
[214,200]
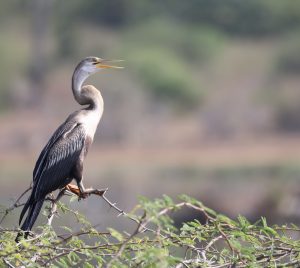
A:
[73,189]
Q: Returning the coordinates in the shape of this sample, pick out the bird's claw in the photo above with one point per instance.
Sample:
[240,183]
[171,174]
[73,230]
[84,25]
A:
[83,196]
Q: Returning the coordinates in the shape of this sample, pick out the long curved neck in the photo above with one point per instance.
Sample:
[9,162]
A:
[86,95]
[79,76]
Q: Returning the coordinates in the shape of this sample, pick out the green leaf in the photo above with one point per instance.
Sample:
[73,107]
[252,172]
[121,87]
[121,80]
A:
[67,229]
[114,233]
[168,200]
[73,198]
[270,231]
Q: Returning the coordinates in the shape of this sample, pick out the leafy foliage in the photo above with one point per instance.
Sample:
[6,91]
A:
[235,17]
[156,242]
[289,59]
[164,56]
[166,77]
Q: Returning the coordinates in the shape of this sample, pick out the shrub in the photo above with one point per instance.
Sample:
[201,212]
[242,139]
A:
[166,76]
[217,241]
[289,56]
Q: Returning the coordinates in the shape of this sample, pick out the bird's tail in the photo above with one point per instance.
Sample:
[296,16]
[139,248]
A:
[25,208]
[34,210]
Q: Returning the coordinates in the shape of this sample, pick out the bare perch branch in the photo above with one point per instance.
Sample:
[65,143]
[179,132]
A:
[53,207]
[8,263]
[16,204]
[75,190]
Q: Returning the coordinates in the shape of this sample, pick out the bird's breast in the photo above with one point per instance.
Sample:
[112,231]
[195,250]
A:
[90,123]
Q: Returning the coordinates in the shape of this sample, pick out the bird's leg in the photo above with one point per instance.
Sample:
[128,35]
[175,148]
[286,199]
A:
[73,189]
[76,190]
[81,192]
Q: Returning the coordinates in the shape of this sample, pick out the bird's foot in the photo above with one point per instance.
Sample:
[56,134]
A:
[73,189]
[83,195]
[86,193]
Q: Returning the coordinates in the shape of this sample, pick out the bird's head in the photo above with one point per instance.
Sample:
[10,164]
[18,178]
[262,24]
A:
[84,69]
[91,65]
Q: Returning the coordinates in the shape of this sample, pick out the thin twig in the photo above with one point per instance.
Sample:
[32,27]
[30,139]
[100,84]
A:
[8,263]
[213,241]
[123,245]
[226,238]
[16,204]
[79,233]
[53,208]
[113,205]
[75,190]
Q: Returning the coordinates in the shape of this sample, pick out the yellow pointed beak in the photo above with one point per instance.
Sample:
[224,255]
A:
[106,64]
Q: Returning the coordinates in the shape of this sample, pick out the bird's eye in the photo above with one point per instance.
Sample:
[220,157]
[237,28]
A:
[94,61]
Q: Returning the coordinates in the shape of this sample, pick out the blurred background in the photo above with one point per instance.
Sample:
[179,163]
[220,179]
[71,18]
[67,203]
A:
[208,103]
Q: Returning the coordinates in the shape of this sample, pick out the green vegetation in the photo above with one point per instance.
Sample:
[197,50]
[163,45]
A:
[11,64]
[164,57]
[196,44]
[289,171]
[289,58]
[166,76]
[177,38]
[233,16]
[210,240]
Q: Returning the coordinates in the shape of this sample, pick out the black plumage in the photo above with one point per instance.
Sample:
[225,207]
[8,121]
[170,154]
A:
[56,166]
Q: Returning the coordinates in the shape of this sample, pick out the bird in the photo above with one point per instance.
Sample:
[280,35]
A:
[61,160]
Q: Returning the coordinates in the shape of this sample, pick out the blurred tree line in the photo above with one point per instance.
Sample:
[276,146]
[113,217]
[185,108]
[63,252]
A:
[234,16]
[166,40]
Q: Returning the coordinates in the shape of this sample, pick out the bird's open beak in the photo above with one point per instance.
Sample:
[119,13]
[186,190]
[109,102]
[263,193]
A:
[108,64]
